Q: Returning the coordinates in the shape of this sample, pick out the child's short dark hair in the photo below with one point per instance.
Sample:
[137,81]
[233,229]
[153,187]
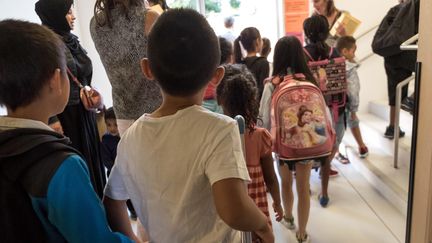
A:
[226,49]
[266,48]
[345,42]
[238,94]
[29,55]
[183,52]
[109,114]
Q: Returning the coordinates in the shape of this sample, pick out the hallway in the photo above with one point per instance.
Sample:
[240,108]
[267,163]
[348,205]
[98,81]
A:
[357,213]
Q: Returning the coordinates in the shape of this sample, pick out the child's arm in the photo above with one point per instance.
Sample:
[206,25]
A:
[118,217]
[265,105]
[272,184]
[237,209]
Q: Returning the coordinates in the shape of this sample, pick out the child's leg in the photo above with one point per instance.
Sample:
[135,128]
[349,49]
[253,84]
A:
[303,171]
[355,129]
[325,173]
[286,189]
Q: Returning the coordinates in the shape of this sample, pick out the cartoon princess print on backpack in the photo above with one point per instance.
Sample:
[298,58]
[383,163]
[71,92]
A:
[302,121]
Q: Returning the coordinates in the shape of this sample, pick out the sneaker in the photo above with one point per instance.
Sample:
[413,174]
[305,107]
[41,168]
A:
[333,173]
[323,200]
[342,159]
[288,222]
[408,104]
[389,133]
[364,152]
[305,239]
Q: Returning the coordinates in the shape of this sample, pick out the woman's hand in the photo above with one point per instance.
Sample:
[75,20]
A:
[340,30]
[57,127]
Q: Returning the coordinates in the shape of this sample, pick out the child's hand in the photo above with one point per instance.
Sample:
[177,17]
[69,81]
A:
[266,234]
[354,116]
[278,211]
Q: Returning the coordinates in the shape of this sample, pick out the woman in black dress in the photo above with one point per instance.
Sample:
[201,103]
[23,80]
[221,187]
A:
[78,124]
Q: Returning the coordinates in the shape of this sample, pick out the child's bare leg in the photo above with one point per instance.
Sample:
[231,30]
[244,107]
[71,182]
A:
[325,173]
[358,137]
[286,189]
[303,172]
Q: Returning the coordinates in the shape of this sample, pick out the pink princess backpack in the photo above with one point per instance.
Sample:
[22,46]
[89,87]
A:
[301,125]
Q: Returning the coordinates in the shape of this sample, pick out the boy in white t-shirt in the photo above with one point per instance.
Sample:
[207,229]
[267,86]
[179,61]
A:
[182,166]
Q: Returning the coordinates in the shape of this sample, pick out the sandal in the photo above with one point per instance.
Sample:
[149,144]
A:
[342,159]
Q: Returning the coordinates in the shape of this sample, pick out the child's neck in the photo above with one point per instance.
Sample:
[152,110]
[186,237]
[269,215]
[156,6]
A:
[252,54]
[30,112]
[172,104]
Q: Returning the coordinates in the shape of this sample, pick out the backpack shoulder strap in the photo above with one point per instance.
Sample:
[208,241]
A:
[331,52]
[308,54]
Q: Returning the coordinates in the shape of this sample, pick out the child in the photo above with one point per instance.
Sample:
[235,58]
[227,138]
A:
[237,94]
[346,45]
[182,166]
[110,141]
[45,182]
[289,59]
[246,48]
[266,48]
[210,102]
[316,29]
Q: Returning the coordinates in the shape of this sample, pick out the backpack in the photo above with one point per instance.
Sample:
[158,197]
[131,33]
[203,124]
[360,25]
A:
[399,24]
[31,176]
[331,77]
[300,122]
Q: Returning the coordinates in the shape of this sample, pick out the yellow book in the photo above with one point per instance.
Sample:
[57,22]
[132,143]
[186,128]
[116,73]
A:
[348,21]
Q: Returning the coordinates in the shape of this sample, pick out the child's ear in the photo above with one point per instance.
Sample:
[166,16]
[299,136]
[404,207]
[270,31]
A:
[218,76]
[145,68]
[344,51]
[55,82]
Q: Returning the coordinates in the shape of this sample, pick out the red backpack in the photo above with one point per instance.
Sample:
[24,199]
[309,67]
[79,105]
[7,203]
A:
[300,122]
[331,77]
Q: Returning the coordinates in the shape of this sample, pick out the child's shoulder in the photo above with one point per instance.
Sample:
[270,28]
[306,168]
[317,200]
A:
[194,116]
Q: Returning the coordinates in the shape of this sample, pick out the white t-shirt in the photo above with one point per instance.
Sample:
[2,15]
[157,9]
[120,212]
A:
[167,165]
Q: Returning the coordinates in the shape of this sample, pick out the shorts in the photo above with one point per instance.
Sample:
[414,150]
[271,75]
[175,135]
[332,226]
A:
[395,75]
[292,164]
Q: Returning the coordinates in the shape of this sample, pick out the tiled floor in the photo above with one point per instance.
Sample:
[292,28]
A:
[351,215]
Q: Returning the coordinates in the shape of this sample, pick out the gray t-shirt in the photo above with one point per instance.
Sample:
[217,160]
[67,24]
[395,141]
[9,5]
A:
[121,49]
